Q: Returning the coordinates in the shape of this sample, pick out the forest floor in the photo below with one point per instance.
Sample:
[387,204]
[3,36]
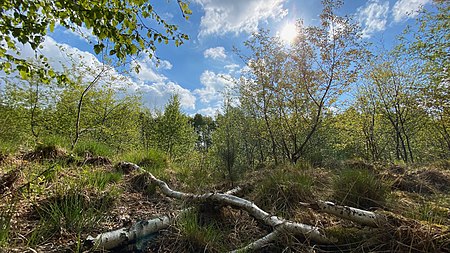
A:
[51,202]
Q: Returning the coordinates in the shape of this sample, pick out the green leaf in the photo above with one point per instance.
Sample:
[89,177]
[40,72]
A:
[52,26]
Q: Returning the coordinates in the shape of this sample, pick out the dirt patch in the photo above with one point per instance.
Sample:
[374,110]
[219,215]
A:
[141,183]
[397,169]
[425,181]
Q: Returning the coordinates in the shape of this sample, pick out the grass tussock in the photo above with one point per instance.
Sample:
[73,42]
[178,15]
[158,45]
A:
[71,211]
[151,160]
[359,188]
[282,189]
[189,235]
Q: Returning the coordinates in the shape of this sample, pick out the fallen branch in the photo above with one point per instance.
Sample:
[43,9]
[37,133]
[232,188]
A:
[277,223]
[359,216]
[124,236]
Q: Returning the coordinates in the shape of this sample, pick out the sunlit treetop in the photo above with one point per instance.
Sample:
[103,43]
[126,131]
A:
[122,28]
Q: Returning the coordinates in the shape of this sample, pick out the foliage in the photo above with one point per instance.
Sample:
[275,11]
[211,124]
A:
[359,187]
[204,126]
[430,51]
[170,131]
[290,87]
[227,140]
[121,29]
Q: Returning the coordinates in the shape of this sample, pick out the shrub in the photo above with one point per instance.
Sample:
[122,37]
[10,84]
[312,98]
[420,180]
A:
[359,188]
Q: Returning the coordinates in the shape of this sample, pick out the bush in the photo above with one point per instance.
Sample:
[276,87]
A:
[359,188]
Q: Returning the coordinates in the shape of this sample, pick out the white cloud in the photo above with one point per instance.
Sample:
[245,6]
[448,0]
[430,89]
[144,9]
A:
[156,95]
[154,87]
[215,53]
[237,16]
[148,69]
[209,111]
[404,9]
[82,33]
[231,67]
[213,86]
[373,16]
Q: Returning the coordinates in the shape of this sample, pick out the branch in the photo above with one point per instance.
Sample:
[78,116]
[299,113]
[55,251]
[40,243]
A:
[273,221]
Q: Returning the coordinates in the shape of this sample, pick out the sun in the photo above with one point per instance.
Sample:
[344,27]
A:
[288,33]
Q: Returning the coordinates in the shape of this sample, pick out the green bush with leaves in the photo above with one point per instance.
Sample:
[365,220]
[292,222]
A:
[359,188]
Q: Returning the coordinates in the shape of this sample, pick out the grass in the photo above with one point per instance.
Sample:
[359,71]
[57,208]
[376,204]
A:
[283,188]
[6,213]
[359,188]
[151,160]
[70,211]
[94,148]
[196,237]
[99,179]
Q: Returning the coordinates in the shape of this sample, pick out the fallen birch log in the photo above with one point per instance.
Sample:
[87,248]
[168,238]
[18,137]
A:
[124,236]
[362,217]
[278,224]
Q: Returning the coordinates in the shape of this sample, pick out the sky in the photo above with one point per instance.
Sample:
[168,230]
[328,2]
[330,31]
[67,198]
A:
[201,69]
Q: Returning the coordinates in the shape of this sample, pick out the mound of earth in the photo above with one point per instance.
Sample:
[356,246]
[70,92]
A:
[42,153]
[424,181]
[437,179]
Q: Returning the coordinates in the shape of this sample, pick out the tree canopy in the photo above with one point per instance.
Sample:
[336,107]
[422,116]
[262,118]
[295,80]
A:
[122,29]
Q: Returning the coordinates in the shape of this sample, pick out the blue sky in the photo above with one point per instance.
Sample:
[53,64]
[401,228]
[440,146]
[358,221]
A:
[200,69]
